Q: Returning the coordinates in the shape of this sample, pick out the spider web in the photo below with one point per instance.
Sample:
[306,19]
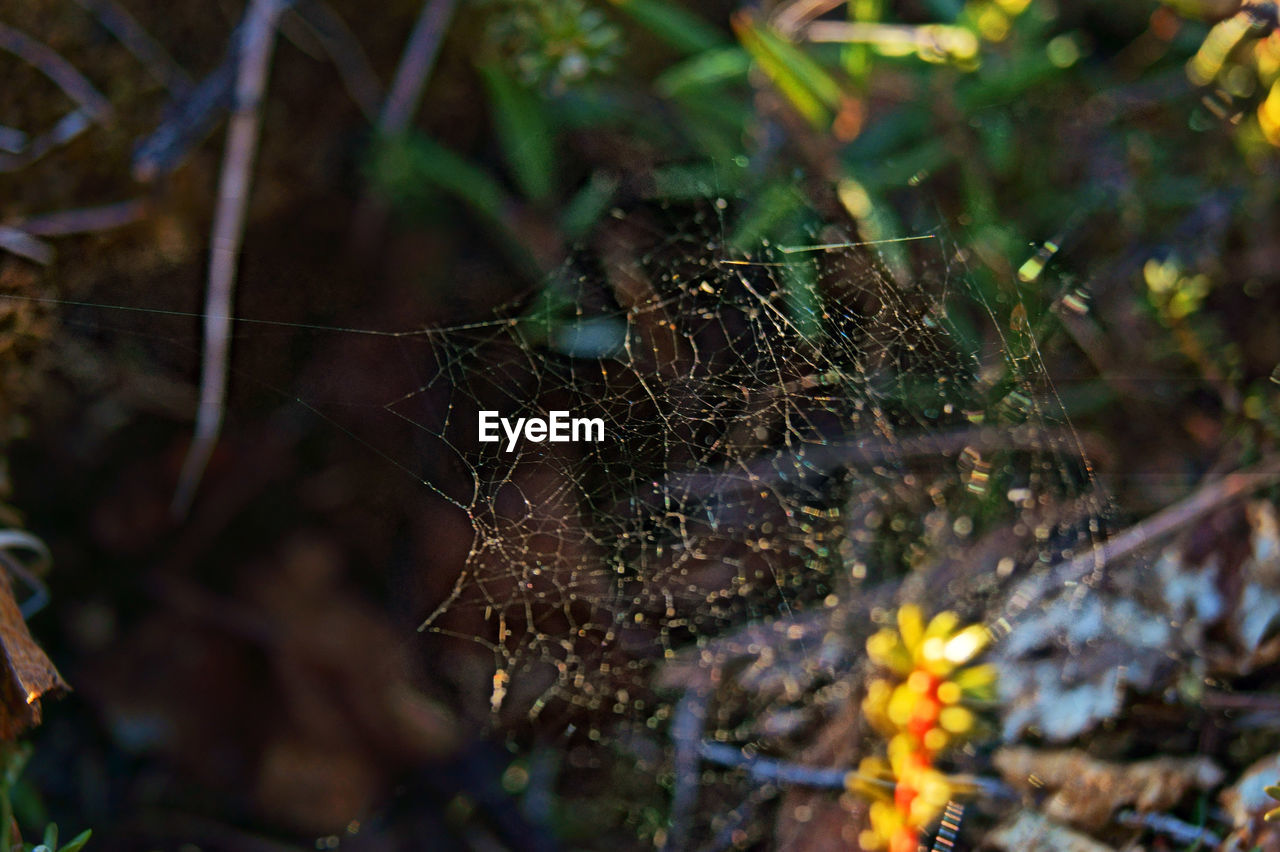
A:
[784,425]
[800,431]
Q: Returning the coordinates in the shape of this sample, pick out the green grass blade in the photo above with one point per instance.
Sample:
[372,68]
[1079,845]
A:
[811,90]
[706,70]
[675,26]
[78,842]
[523,132]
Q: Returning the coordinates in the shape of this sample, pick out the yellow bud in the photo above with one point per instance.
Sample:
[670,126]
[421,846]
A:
[919,682]
[935,739]
[901,706]
[885,648]
[942,625]
[936,789]
[910,626]
[967,644]
[932,650]
[949,692]
[977,682]
[956,720]
[1269,115]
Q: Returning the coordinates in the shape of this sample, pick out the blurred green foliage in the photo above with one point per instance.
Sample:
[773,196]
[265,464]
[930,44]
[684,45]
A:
[13,759]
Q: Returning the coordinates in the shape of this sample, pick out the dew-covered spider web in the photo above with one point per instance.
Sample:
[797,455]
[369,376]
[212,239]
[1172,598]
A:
[787,425]
[802,429]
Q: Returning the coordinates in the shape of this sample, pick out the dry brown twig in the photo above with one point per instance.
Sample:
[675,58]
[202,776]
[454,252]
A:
[22,237]
[117,21]
[243,131]
[91,104]
[12,140]
[51,64]
[24,245]
[84,220]
[412,74]
[1205,500]
[325,25]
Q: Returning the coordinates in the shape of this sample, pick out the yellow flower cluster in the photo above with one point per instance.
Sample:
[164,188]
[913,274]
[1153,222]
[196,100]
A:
[1247,38]
[919,704]
[1273,791]
[994,18]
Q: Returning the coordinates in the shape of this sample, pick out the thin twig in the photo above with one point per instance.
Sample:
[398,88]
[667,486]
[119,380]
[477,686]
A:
[859,32]
[84,220]
[345,52]
[688,724]
[1208,498]
[1180,831]
[12,140]
[117,21]
[22,237]
[19,242]
[68,127]
[51,64]
[189,117]
[410,81]
[415,66]
[793,16]
[30,574]
[767,770]
[770,771]
[228,233]
[1240,701]
[91,104]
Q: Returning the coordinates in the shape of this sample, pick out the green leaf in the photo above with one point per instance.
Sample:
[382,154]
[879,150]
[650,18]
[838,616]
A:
[696,74]
[399,166]
[857,57]
[586,207]
[405,169]
[77,843]
[678,27]
[694,182]
[809,88]
[520,123]
[769,214]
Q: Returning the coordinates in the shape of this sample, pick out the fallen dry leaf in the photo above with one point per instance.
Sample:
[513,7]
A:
[1247,801]
[1215,594]
[29,675]
[1028,832]
[1086,791]
[1049,685]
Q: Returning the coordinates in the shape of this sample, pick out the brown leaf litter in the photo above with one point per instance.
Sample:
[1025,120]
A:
[29,675]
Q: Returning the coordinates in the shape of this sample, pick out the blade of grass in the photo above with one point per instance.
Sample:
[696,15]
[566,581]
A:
[588,205]
[711,68]
[810,89]
[243,131]
[401,167]
[78,842]
[677,27]
[774,206]
[525,135]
